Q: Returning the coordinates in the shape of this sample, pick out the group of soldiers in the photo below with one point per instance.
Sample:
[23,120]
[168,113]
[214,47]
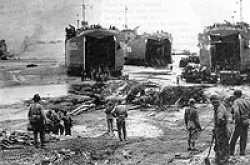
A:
[117,110]
[57,122]
[225,141]
[96,73]
[52,121]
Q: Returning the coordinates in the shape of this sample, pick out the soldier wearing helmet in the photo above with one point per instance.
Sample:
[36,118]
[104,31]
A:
[221,131]
[37,120]
[241,114]
[192,123]
[120,113]
[109,117]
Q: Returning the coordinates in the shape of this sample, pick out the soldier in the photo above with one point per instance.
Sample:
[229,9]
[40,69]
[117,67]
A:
[67,123]
[37,120]
[192,123]
[49,122]
[109,117]
[120,113]
[221,131]
[59,127]
[178,80]
[241,112]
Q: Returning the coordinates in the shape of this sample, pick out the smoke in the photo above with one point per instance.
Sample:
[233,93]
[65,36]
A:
[37,33]
[27,23]
[36,38]
[33,38]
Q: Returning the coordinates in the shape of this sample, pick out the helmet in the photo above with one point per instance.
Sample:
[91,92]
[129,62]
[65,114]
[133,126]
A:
[214,98]
[36,98]
[191,101]
[237,93]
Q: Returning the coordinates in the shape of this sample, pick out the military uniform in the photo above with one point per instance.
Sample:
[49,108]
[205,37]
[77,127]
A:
[193,126]
[54,122]
[37,121]
[67,124]
[109,117]
[120,112]
[222,135]
[59,128]
[240,109]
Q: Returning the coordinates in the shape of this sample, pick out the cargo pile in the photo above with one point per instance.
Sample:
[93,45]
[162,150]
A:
[118,87]
[10,140]
[144,93]
[94,96]
[100,92]
[195,73]
[190,59]
[15,140]
[70,102]
[150,94]
[181,94]
[16,147]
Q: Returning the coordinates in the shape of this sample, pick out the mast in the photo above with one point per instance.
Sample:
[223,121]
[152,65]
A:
[77,22]
[83,11]
[241,10]
[126,17]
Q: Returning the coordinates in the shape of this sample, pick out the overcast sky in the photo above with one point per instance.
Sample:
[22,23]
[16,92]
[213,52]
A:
[46,19]
[183,18]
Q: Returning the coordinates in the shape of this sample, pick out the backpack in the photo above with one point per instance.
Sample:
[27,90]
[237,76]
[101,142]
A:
[35,115]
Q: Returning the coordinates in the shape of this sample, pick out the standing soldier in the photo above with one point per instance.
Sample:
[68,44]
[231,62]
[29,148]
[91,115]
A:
[49,122]
[59,128]
[120,113]
[37,120]
[67,123]
[178,80]
[109,117]
[192,123]
[221,131]
[241,112]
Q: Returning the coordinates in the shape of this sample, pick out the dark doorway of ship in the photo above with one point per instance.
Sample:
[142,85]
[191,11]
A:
[158,52]
[100,54]
[225,52]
